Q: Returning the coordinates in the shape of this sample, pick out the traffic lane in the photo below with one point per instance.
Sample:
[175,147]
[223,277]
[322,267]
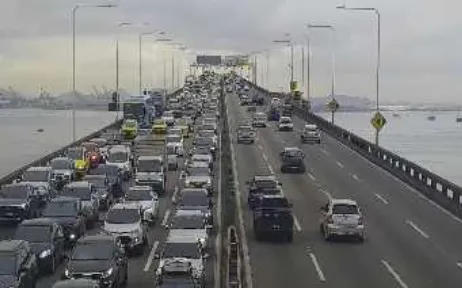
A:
[443,228]
[335,260]
[398,241]
[268,260]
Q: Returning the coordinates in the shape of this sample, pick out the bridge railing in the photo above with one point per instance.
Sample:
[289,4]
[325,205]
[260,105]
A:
[442,191]
[233,262]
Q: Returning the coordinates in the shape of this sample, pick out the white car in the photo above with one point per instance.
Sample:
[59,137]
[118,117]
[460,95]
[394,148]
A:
[147,199]
[285,124]
[169,118]
[207,158]
[124,221]
[342,217]
[190,222]
[177,140]
[211,134]
[120,156]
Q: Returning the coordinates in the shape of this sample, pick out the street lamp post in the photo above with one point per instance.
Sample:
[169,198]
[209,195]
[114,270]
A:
[140,64]
[330,27]
[377,67]
[291,45]
[121,24]
[74,12]
[164,60]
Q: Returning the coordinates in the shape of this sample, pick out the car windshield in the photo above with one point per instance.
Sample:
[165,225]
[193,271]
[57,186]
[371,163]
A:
[188,222]
[33,234]
[118,157]
[208,127]
[173,138]
[61,209]
[149,166]
[75,154]
[98,182]
[95,250]
[159,122]
[201,150]
[198,171]
[14,192]
[130,124]
[286,120]
[203,141]
[83,193]
[207,133]
[57,164]
[345,209]
[274,202]
[7,265]
[266,184]
[168,114]
[245,129]
[123,216]
[292,153]
[194,199]
[181,250]
[138,195]
[35,176]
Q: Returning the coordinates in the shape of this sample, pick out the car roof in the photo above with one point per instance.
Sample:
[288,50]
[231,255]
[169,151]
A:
[64,199]
[193,190]
[126,205]
[265,178]
[179,236]
[95,238]
[198,164]
[272,196]
[186,213]
[140,187]
[286,117]
[38,222]
[343,202]
[311,126]
[39,168]
[61,158]
[292,149]
[78,184]
[149,157]
[201,156]
[11,245]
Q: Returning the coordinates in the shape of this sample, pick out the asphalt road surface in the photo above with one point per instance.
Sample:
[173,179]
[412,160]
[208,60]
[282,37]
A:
[410,241]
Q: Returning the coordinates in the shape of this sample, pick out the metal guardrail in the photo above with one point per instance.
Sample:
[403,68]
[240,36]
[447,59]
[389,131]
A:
[444,192]
[9,178]
[233,276]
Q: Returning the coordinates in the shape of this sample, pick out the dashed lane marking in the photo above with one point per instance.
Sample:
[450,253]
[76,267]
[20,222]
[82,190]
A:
[151,256]
[339,164]
[380,197]
[355,177]
[311,176]
[416,228]
[394,274]
[166,216]
[321,276]
[297,224]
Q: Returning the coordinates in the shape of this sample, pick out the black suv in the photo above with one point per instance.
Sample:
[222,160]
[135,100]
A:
[46,239]
[292,160]
[17,202]
[273,217]
[262,185]
[18,266]
[101,258]
[68,213]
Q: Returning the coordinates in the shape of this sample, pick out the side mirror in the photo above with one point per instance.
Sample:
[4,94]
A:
[280,184]
[323,208]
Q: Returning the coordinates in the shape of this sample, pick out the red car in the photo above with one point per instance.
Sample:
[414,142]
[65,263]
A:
[93,153]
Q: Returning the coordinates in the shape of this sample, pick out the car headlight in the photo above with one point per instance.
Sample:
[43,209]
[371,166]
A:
[23,205]
[108,272]
[72,236]
[66,272]
[45,253]
[208,214]
[202,241]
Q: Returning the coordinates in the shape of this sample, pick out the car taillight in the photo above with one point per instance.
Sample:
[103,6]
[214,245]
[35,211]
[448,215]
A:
[93,157]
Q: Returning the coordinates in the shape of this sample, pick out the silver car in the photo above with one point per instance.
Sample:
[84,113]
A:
[342,217]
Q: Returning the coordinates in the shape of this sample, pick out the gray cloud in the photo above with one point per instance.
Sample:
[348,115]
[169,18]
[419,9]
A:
[420,42]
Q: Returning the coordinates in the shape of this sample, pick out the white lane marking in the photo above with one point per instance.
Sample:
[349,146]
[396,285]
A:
[175,192]
[328,195]
[260,147]
[243,234]
[355,177]
[297,224]
[380,197]
[339,164]
[394,274]
[270,168]
[324,151]
[265,157]
[416,228]
[317,267]
[167,214]
[311,176]
[151,256]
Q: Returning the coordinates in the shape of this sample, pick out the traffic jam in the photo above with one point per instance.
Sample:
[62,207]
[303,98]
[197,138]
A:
[145,191]
[269,208]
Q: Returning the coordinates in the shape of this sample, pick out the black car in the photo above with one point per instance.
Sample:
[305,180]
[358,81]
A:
[17,202]
[18,266]
[76,283]
[67,212]
[99,257]
[46,238]
[292,160]
[262,185]
[114,176]
[101,184]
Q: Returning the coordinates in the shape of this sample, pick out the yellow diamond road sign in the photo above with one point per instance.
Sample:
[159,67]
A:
[378,121]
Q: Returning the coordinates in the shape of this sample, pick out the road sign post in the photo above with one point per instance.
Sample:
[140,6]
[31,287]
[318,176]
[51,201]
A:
[378,122]
[333,107]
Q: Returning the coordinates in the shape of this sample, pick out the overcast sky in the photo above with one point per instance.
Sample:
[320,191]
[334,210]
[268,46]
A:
[421,43]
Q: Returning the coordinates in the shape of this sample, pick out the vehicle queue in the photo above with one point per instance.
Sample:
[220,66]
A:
[117,183]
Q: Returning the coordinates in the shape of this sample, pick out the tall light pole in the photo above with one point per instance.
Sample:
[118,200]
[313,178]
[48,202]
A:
[140,64]
[308,68]
[74,12]
[377,67]
[164,60]
[120,25]
[332,29]
[291,45]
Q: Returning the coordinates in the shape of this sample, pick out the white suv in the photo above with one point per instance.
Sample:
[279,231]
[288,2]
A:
[342,217]
[285,124]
